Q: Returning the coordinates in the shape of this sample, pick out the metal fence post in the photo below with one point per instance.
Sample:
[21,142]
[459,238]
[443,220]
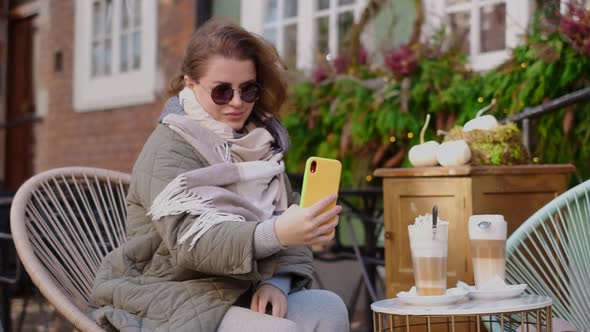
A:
[526,133]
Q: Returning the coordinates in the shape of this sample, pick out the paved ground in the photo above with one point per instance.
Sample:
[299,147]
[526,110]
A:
[37,320]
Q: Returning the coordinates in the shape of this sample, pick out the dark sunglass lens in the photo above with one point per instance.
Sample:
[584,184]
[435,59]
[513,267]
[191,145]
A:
[250,92]
[222,94]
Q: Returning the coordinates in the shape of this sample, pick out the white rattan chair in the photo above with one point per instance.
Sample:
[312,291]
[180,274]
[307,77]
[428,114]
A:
[551,253]
[64,221]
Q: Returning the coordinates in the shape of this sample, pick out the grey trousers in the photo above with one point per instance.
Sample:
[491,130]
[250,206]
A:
[307,311]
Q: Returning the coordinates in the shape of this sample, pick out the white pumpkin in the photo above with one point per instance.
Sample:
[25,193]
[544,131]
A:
[424,154]
[453,153]
[485,122]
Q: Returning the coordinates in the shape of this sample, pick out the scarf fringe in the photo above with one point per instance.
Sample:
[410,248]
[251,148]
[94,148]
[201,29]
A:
[175,199]
[224,151]
[204,222]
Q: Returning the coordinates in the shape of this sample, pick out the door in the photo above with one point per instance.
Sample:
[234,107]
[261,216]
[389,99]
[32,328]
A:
[20,107]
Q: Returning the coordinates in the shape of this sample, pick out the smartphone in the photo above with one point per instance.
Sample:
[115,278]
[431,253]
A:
[320,179]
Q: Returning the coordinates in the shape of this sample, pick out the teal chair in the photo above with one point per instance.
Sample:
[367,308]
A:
[551,253]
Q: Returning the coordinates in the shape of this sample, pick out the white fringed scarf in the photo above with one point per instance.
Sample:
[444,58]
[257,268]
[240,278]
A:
[245,181]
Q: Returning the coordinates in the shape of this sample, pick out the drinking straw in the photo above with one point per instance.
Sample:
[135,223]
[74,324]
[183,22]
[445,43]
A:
[434,220]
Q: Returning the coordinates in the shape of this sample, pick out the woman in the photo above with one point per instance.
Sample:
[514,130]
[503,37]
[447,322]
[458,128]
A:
[215,240]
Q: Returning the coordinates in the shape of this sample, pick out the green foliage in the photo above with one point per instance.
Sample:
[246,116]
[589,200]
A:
[344,118]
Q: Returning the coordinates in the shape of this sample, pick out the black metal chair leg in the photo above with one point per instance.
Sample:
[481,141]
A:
[354,299]
[361,262]
[381,282]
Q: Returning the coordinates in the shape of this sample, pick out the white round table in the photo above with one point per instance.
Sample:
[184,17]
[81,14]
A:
[393,314]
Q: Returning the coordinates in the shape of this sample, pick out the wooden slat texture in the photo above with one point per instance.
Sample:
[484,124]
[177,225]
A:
[474,170]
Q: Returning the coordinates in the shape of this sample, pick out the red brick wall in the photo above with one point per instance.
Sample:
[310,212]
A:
[108,138]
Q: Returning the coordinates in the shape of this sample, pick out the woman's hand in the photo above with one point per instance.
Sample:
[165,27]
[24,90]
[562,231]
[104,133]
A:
[269,294]
[308,226]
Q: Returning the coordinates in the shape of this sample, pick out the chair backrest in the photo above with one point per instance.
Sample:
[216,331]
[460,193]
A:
[551,253]
[64,222]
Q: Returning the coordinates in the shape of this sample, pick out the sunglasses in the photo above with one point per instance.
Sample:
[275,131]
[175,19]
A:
[223,93]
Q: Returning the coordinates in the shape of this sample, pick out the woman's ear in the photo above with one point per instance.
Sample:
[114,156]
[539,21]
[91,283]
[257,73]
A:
[189,83]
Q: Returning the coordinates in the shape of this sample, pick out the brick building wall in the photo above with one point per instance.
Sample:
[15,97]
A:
[107,138]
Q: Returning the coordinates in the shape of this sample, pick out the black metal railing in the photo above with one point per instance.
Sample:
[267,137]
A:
[556,104]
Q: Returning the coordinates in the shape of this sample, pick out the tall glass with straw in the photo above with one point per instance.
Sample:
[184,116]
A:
[429,247]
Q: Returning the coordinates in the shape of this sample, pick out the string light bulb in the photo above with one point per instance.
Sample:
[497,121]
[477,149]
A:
[523,65]
[410,135]
[369,178]
[536,160]
[480,100]
[392,139]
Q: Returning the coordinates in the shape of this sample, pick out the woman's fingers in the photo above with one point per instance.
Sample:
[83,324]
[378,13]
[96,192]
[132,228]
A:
[328,215]
[279,304]
[299,226]
[262,303]
[327,227]
[254,302]
[322,204]
[323,239]
[325,224]
[283,307]
[276,309]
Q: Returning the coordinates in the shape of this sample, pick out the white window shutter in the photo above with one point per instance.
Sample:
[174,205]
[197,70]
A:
[305,35]
[517,20]
[251,15]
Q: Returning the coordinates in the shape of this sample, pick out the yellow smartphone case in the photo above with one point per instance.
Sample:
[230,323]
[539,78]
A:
[321,178]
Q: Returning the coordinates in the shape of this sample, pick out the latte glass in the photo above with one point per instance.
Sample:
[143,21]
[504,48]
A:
[487,235]
[429,257]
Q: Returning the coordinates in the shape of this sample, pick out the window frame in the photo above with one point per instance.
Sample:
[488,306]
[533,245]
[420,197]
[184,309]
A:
[119,89]
[517,18]
[280,24]
[564,3]
[252,17]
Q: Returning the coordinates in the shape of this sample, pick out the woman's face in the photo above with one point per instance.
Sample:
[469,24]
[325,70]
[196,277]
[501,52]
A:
[222,70]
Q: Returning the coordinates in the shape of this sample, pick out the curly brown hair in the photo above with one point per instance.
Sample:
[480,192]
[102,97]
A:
[222,37]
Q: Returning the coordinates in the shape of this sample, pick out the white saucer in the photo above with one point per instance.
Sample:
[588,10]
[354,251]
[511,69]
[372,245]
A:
[509,292]
[506,292]
[453,295]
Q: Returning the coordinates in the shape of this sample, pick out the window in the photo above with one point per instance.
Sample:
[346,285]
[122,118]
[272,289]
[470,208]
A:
[488,29]
[302,30]
[130,36]
[102,24]
[280,28]
[115,53]
[333,20]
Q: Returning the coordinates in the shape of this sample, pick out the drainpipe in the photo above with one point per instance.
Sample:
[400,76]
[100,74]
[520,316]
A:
[204,11]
